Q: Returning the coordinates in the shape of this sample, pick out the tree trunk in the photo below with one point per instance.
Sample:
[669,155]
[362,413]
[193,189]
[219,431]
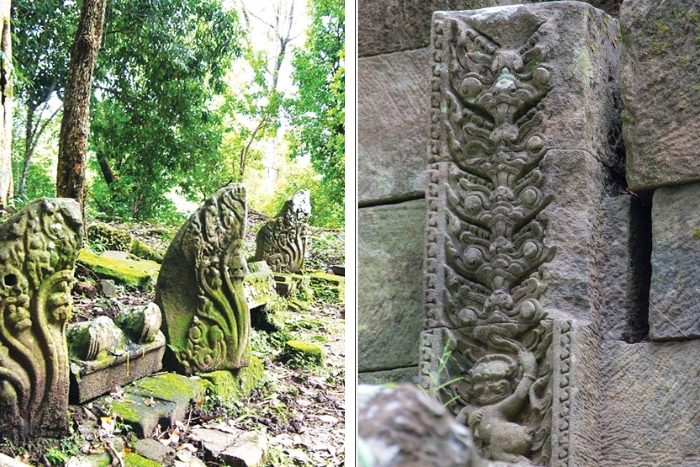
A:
[72,145]
[6,100]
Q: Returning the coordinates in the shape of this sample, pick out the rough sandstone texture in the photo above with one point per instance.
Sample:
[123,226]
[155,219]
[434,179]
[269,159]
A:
[401,426]
[393,126]
[674,297]
[625,269]
[661,91]
[393,25]
[399,375]
[650,404]
[390,261]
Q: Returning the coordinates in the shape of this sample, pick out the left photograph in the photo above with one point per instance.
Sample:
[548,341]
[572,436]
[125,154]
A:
[172,233]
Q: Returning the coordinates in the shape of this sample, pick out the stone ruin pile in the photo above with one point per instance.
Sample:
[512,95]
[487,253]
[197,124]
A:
[560,308]
[203,299]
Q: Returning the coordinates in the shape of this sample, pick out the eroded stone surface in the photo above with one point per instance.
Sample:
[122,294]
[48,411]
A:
[106,354]
[674,296]
[281,242]
[236,447]
[393,125]
[200,287]
[651,401]
[390,258]
[394,25]
[38,249]
[661,92]
[625,269]
[398,375]
[400,426]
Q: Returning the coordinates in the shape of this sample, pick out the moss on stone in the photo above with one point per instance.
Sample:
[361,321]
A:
[109,238]
[141,250]
[134,460]
[301,354]
[142,274]
[328,286]
[236,385]
[170,387]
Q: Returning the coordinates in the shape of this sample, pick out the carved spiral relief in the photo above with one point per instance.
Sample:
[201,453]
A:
[486,236]
[282,241]
[38,248]
[200,287]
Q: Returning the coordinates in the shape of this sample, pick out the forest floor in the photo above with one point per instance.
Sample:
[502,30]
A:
[300,410]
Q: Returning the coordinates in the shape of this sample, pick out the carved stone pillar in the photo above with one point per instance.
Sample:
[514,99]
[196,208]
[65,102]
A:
[200,288]
[525,135]
[38,248]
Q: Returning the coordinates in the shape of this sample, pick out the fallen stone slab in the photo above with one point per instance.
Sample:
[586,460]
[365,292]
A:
[661,92]
[259,287]
[154,450]
[236,447]
[141,274]
[155,400]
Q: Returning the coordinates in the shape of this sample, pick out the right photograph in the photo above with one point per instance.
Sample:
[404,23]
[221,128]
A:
[528,233]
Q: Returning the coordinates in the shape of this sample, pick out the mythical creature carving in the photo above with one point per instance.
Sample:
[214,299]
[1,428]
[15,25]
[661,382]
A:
[200,287]
[282,241]
[488,127]
[38,249]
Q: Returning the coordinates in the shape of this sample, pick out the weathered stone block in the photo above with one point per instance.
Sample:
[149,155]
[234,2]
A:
[661,92]
[393,125]
[106,354]
[38,249]
[650,404]
[400,426]
[390,262]
[625,269]
[200,288]
[674,296]
[398,375]
[141,273]
[259,287]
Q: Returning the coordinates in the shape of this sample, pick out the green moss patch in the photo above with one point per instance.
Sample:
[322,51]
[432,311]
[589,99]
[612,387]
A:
[328,286]
[170,387]
[298,354]
[236,385]
[143,251]
[134,460]
[141,274]
[106,237]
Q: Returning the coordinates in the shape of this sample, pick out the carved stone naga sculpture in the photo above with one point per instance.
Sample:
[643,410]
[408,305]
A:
[282,241]
[484,176]
[200,288]
[38,249]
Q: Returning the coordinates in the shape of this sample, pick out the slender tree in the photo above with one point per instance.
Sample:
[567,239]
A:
[6,100]
[75,126]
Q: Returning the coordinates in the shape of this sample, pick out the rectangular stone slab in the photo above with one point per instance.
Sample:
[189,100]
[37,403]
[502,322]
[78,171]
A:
[389,285]
[661,92]
[650,404]
[674,296]
[393,125]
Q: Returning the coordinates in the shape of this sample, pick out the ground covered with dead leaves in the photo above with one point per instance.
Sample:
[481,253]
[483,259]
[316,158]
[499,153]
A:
[298,406]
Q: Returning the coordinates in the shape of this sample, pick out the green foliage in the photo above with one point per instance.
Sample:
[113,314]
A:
[155,125]
[318,111]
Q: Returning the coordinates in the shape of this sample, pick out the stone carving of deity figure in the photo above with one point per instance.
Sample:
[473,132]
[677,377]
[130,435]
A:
[497,399]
